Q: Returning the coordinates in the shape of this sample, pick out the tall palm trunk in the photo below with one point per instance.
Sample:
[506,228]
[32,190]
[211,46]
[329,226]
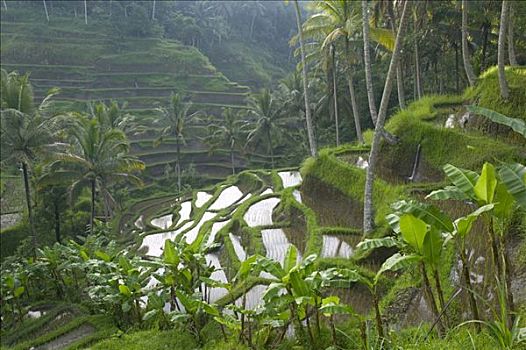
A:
[418,78]
[504,89]
[465,51]
[368,214]
[367,62]
[399,72]
[511,45]
[29,207]
[45,9]
[92,217]
[153,10]
[310,131]
[354,106]
[85,12]
[178,164]
[335,95]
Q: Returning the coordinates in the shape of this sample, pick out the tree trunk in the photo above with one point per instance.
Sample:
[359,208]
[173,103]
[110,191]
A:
[485,34]
[153,10]
[45,9]
[418,80]
[457,71]
[271,150]
[178,165]
[465,50]
[57,222]
[335,96]
[92,217]
[399,72]
[350,83]
[85,11]
[368,213]
[440,293]
[310,131]
[110,7]
[511,45]
[367,62]
[232,161]
[378,315]
[431,299]
[29,208]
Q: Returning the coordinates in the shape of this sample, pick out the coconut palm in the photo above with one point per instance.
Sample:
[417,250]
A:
[229,132]
[367,61]
[368,223]
[25,131]
[97,157]
[308,118]
[175,119]
[504,89]
[269,119]
[465,50]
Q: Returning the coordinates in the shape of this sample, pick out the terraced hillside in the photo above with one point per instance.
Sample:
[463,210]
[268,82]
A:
[143,73]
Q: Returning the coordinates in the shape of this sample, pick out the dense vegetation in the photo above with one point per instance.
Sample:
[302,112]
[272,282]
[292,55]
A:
[223,175]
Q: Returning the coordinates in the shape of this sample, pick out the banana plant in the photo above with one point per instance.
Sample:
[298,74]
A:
[12,292]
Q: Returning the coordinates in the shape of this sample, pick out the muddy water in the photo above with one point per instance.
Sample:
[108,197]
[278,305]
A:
[260,213]
[332,207]
[162,222]
[191,235]
[228,196]
[276,244]
[202,198]
[290,178]
[339,245]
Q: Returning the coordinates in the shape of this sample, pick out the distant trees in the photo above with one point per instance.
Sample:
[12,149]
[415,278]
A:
[504,25]
[465,50]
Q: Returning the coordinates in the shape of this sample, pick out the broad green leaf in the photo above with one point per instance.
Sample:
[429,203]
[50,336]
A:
[245,268]
[347,276]
[504,201]
[290,258]
[394,221]
[84,255]
[170,256]
[397,262]
[124,290]
[299,287]
[433,247]
[150,314]
[487,182]
[448,192]
[333,309]
[383,37]
[209,309]
[271,266]
[373,243]
[426,212]
[334,299]
[514,177]
[19,291]
[463,179]
[125,264]
[102,255]
[518,125]
[464,224]
[413,231]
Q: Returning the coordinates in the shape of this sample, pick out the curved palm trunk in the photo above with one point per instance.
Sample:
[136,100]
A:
[504,89]
[153,10]
[29,207]
[351,92]
[511,45]
[310,130]
[335,97]
[367,62]
[368,215]
[465,51]
[399,71]
[92,217]
[178,164]
[85,12]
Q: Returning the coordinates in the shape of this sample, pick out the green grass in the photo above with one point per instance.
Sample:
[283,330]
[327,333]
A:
[177,339]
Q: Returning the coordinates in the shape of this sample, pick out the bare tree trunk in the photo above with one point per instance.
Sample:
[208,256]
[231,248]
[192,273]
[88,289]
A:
[511,45]
[350,83]
[367,62]
[153,10]
[399,72]
[368,212]
[418,80]
[110,6]
[457,70]
[45,9]
[310,131]
[30,208]
[504,89]
[465,50]
[85,11]
[335,95]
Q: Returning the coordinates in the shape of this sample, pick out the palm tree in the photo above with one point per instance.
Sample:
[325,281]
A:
[175,118]
[98,157]
[511,45]
[465,50]
[367,61]
[335,21]
[230,132]
[310,130]
[269,120]
[368,216]
[25,132]
[504,89]
[45,10]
